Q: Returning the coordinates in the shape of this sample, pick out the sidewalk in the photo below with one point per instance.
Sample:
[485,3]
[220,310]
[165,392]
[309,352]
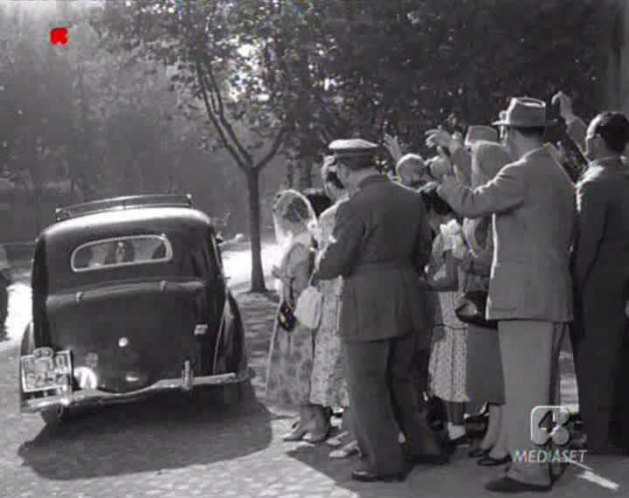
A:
[461,478]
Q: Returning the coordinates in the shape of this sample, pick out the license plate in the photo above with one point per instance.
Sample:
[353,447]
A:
[46,370]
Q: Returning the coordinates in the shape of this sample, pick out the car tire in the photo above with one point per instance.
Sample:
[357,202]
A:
[55,416]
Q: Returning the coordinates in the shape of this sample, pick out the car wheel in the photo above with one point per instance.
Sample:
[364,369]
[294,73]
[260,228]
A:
[55,416]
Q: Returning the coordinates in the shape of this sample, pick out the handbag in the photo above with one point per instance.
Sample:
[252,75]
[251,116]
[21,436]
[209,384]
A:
[308,309]
[286,313]
[470,308]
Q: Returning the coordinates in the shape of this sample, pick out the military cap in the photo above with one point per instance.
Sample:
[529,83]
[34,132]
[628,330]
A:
[352,147]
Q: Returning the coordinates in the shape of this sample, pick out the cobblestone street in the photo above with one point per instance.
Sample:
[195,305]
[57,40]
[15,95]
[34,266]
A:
[175,446]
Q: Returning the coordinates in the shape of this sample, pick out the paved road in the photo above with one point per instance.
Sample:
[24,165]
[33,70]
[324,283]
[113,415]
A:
[173,446]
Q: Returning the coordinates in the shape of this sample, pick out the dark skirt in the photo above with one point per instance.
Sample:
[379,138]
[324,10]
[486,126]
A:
[485,381]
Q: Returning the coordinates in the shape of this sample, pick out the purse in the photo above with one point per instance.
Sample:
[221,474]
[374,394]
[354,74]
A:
[308,309]
[286,317]
[470,308]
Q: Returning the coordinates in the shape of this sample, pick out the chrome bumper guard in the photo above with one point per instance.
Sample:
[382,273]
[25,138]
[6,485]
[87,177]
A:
[87,397]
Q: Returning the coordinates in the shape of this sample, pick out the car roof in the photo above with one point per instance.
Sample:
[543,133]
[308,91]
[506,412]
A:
[126,221]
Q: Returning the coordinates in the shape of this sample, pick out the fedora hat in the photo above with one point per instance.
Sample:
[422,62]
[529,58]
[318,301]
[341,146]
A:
[524,112]
[478,132]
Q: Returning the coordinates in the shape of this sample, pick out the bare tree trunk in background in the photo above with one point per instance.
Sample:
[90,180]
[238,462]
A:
[290,173]
[243,159]
[257,273]
[303,174]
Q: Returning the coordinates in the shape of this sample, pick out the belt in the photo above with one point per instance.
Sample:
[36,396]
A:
[378,266]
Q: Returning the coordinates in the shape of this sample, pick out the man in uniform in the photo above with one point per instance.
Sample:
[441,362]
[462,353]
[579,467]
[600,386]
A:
[381,244]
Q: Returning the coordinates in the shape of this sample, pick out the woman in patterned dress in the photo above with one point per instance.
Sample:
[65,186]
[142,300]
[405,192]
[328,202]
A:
[328,387]
[449,350]
[291,352]
[484,365]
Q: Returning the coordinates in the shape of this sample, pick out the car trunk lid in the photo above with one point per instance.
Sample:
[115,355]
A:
[124,337]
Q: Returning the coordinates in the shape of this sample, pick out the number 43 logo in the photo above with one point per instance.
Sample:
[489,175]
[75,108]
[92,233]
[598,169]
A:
[549,423]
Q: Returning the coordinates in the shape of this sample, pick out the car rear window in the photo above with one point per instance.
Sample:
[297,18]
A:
[121,251]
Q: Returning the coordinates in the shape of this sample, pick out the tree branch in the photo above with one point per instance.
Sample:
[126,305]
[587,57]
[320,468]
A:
[242,164]
[221,111]
[266,159]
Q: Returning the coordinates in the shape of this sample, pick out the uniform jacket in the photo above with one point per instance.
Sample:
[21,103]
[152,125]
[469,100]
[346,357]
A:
[533,205]
[380,245]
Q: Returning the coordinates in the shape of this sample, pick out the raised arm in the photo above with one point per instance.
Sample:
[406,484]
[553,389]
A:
[575,126]
[505,192]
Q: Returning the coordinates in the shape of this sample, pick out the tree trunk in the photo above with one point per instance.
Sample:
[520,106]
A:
[257,273]
[290,173]
[303,174]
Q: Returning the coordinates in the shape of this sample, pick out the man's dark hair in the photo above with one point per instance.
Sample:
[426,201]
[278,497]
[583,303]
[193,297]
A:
[330,176]
[532,132]
[613,127]
[432,201]
[318,199]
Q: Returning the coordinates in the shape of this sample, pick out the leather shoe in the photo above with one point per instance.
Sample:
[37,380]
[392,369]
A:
[489,461]
[508,485]
[438,459]
[478,452]
[369,476]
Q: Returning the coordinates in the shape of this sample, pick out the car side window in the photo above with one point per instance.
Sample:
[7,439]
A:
[121,251]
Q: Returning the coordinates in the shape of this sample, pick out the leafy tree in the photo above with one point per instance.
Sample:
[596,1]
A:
[214,48]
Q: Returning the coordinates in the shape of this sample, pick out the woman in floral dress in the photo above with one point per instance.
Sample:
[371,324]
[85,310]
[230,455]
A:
[291,352]
[328,387]
[447,360]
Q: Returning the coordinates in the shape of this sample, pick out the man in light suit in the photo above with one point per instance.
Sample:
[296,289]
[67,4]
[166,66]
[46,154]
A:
[381,244]
[530,291]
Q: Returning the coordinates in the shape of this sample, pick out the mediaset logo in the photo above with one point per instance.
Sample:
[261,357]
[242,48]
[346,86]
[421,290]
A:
[548,456]
[549,424]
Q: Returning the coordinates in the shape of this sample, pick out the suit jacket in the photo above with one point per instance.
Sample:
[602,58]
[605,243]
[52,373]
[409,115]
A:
[603,205]
[380,246]
[533,205]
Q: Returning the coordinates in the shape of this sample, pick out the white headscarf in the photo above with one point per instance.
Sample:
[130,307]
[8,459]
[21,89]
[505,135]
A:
[293,217]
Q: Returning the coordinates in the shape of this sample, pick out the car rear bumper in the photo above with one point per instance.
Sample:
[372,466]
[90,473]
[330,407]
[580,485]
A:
[90,397]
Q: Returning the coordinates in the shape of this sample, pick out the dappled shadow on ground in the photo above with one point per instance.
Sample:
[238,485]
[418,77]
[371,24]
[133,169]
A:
[259,316]
[165,432]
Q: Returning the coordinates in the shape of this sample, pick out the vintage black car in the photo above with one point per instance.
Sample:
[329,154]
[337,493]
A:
[129,298]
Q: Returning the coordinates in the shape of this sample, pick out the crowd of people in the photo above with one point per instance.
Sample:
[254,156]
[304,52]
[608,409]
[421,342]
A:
[456,278]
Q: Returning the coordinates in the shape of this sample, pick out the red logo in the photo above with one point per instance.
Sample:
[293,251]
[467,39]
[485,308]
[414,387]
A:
[59,36]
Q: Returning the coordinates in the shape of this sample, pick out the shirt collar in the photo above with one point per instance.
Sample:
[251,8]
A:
[545,149]
[375,178]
